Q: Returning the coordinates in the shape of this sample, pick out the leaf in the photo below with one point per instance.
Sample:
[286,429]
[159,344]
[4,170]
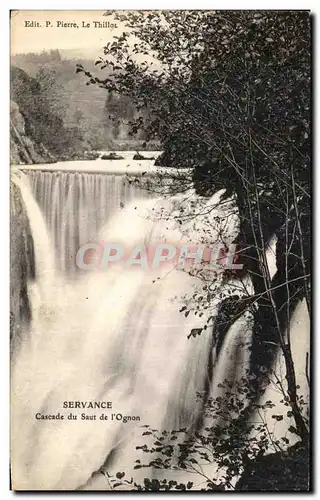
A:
[292,429]
[278,418]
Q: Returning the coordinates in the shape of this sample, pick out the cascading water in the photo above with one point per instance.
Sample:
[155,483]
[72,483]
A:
[37,253]
[77,205]
[22,266]
[41,240]
[112,335]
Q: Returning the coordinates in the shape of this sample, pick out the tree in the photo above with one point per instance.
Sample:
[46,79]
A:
[228,95]
[40,105]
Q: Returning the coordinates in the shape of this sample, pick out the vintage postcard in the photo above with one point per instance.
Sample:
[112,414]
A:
[160,195]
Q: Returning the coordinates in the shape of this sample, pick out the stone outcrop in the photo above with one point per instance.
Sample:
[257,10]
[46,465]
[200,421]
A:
[22,266]
[23,150]
[283,471]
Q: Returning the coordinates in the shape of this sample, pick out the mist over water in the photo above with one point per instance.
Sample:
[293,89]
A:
[112,335]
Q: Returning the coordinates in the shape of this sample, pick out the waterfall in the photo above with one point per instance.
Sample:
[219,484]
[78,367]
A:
[41,241]
[22,266]
[36,252]
[114,334]
[77,205]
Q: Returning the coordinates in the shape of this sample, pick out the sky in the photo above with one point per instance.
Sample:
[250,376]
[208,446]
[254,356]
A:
[45,35]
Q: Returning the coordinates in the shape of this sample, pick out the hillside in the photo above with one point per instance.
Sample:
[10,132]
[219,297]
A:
[38,128]
[86,108]
[82,105]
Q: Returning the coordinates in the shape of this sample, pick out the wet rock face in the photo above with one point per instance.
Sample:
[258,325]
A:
[22,266]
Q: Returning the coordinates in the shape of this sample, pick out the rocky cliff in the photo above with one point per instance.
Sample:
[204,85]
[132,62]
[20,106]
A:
[38,128]
[23,149]
[22,265]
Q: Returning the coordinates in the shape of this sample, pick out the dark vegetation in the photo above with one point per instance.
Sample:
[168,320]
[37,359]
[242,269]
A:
[228,95]
[63,118]
[43,114]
